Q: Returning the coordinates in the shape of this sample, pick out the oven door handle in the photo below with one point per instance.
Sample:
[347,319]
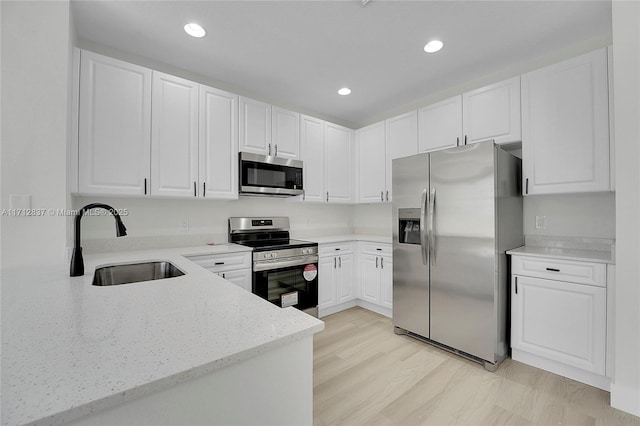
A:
[283,263]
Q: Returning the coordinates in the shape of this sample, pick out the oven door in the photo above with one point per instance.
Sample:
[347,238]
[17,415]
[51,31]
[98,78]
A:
[288,282]
[260,174]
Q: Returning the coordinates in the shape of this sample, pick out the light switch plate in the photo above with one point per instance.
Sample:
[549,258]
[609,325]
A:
[540,222]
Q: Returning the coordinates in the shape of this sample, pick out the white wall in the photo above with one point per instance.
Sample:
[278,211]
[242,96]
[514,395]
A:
[372,219]
[154,217]
[571,215]
[35,84]
[625,390]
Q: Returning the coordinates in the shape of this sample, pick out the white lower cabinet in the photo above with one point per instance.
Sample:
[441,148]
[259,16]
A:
[233,267]
[558,324]
[336,267]
[376,276]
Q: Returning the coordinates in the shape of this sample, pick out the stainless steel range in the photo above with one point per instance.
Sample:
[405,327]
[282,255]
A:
[285,271]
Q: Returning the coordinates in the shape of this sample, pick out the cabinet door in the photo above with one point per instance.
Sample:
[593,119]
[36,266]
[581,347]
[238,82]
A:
[218,144]
[242,278]
[345,290]
[492,112]
[401,141]
[370,278]
[565,126]
[338,163]
[255,126]
[560,321]
[285,133]
[174,136]
[312,154]
[114,126]
[327,281]
[371,163]
[440,125]
[386,281]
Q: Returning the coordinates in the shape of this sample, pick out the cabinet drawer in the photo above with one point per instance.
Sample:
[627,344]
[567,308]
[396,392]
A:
[376,248]
[223,262]
[560,270]
[335,248]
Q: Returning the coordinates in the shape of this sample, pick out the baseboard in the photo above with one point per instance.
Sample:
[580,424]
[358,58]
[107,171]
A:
[375,308]
[577,374]
[323,312]
[625,398]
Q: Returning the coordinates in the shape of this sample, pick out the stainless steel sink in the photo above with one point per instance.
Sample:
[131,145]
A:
[135,272]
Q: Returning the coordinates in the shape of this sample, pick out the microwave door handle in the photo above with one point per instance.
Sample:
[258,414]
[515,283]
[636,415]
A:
[423,210]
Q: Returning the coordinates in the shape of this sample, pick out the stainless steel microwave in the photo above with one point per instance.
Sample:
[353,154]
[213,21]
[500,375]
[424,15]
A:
[267,175]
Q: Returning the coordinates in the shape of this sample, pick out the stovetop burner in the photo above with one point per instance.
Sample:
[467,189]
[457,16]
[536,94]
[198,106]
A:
[262,245]
[264,233]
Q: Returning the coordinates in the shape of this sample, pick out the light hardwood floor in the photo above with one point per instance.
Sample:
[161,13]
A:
[364,374]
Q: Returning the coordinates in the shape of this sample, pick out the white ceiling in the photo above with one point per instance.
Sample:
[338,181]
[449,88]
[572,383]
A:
[301,52]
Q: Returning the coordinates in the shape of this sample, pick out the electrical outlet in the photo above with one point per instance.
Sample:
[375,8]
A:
[540,222]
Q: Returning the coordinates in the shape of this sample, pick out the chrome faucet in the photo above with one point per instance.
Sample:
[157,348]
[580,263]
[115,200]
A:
[77,263]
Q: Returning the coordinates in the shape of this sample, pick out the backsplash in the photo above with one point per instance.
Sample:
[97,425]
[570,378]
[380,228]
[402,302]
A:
[173,223]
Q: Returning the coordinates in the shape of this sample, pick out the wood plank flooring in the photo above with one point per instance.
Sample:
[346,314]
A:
[365,374]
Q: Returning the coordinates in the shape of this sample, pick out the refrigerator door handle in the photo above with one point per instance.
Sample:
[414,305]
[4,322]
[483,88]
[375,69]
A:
[423,239]
[432,237]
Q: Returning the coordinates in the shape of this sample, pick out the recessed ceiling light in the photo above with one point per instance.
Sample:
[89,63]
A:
[344,91]
[194,30]
[433,46]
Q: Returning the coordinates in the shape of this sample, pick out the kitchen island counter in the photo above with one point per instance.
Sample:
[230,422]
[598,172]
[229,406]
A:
[70,349]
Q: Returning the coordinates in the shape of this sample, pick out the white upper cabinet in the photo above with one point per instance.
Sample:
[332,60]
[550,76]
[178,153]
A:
[440,125]
[565,126]
[255,126]
[285,129]
[114,126]
[401,141]
[174,136]
[492,112]
[371,163]
[312,154]
[268,130]
[218,169]
[339,176]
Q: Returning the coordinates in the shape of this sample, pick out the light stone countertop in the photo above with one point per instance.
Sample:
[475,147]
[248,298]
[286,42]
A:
[350,237]
[70,348]
[564,253]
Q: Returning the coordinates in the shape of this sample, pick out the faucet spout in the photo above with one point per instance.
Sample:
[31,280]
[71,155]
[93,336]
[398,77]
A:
[77,262]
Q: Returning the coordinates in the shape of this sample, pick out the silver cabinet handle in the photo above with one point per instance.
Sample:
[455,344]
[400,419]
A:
[304,195]
[381,195]
[381,262]
[204,189]
[276,154]
[423,229]
[335,259]
[458,141]
[223,276]
[432,237]
[145,186]
[340,261]
[376,262]
[327,196]
[526,186]
[387,195]
[269,149]
[195,194]
[465,139]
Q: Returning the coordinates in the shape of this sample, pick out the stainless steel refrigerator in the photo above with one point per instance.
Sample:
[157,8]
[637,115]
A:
[455,213]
